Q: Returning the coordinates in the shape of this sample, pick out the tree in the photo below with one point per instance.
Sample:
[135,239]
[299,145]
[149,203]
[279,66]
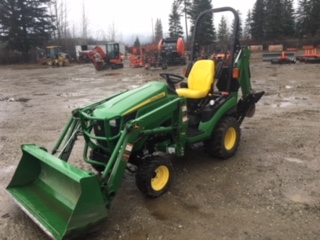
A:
[112,32]
[315,17]
[158,31]
[185,10]
[240,30]
[258,20]
[247,26]
[24,24]
[308,18]
[59,13]
[273,21]
[206,31]
[136,43]
[288,18]
[84,24]
[175,28]
[223,32]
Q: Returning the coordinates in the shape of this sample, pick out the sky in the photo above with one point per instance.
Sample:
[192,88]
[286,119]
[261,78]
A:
[136,18]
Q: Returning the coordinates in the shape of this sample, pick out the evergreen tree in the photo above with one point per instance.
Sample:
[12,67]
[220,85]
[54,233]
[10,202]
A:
[247,26]
[258,20]
[240,29]
[308,18]
[314,24]
[185,8]
[206,31]
[273,24]
[136,43]
[302,16]
[158,31]
[288,18]
[24,24]
[175,28]
[223,32]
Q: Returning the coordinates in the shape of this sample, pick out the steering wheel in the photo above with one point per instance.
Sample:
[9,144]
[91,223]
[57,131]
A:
[172,78]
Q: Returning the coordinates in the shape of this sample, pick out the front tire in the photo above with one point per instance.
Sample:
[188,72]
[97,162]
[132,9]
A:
[225,139]
[154,176]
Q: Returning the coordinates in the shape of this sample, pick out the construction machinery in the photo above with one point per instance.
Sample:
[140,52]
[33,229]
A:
[134,130]
[136,59]
[155,60]
[84,56]
[280,57]
[147,56]
[169,51]
[310,55]
[283,59]
[173,50]
[53,56]
[109,59]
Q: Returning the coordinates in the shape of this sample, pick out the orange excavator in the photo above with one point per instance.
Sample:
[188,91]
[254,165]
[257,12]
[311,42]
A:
[103,60]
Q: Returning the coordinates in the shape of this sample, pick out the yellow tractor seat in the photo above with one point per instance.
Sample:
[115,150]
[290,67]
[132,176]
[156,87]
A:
[200,80]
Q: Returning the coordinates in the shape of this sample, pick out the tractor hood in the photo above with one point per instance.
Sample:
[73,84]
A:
[131,101]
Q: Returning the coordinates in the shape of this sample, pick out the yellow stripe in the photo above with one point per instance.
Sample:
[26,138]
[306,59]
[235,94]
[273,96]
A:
[153,99]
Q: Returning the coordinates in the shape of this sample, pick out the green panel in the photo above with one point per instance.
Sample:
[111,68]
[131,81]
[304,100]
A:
[131,100]
[208,127]
[62,199]
[245,75]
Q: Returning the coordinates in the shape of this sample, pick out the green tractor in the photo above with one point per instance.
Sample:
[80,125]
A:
[135,130]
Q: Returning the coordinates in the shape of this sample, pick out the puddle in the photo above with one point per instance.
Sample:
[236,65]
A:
[126,79]
[134,86]
[298,196]
[40,94]
[68,95]
[112,74]
[83,79]
[14,99]
[282,104]
[295,160]
[289,101]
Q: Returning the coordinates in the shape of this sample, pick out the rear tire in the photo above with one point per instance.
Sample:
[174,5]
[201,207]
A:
[154,176]
[225,139]
[164,66]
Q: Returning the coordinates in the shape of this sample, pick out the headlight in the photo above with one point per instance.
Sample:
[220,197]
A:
[113,123]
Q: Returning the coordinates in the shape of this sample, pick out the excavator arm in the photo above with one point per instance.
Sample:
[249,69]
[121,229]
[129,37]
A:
[98,57]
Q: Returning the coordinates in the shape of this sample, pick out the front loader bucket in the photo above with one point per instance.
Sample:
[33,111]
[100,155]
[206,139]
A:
[63,200]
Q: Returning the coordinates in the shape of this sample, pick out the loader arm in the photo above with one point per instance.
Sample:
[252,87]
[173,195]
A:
[73,129]
[112,176]
[67,202]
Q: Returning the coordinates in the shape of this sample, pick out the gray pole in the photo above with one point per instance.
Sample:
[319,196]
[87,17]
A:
[185,18]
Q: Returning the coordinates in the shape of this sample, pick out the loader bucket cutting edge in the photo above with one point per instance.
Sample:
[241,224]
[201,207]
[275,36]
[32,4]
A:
[63,200]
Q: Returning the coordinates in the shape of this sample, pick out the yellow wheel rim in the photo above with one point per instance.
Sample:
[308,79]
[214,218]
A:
[161,178]
[230,138]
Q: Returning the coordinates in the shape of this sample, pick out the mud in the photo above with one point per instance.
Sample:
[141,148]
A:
[269,190]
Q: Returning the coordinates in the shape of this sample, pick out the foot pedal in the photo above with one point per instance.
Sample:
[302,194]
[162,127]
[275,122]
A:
[193,132]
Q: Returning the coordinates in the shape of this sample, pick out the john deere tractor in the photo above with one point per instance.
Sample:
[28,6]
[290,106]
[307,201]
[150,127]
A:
[135,130]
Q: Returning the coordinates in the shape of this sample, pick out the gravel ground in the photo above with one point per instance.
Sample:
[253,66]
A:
[269,190]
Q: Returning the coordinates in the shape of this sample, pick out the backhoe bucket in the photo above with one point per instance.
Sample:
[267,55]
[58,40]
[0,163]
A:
[63,200]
